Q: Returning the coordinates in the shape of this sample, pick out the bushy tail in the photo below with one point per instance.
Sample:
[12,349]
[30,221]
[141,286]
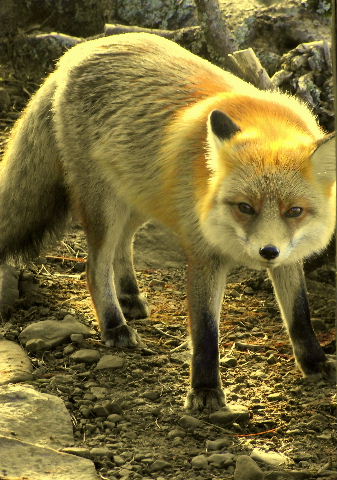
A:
[33,196]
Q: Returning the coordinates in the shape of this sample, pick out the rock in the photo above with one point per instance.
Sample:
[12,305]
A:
[247,469]
[78,451]
[9,288]
[52,332]
[37,345]
[217,444]
[200,461]
[22,407]
[190,423]
[23,460]
[97,452]
[276,397]
[110,361]
[115,418]
[86,355]
[176,433]
[77,337]
[230,414]
[269,458]
[228,362]
[221,459]
[152,395]
[159,465]
[15,365]
[288,475]
[119,461]
[105,408]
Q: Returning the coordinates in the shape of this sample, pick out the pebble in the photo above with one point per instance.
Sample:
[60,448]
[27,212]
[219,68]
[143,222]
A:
[230,414]
[115,418]
[77,337]
[275,396]
[217,444]
[152,395]
[100,452]
[190,423]
[110,361]
[36,345]
[68,349]
[176,433]
[86,355]
[221,459]
[119,461]
[158,465]
[269,458]
[247,469]
[200,461]
[229,362]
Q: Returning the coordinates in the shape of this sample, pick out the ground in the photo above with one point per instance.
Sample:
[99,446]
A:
[145,397]
[136,411]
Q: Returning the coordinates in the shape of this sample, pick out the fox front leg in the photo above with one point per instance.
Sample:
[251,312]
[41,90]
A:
[290,290]
[206,281]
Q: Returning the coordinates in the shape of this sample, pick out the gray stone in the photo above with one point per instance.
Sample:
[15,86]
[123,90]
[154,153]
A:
[77,337]
[34,417]
[289,475]
[221,459]
[97,452]
[119,461]
[110,361]
[37,345]
[52,332]
[23,460]
[15,365]
[115,418]
[270,458]
[190,423]
[247,469]
[199,461]
[159,465]
[86,355]
[229,415]
[229,362]
[217,444]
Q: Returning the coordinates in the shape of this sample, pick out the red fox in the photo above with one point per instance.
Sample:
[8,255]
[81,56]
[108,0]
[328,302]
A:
[133,127]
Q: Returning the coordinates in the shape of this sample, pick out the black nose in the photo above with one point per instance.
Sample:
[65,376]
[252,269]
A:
[269,252]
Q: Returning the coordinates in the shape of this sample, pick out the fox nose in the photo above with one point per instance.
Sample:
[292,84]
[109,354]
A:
[269,252]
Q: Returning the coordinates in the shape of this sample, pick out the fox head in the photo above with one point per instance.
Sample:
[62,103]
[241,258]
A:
[271,197]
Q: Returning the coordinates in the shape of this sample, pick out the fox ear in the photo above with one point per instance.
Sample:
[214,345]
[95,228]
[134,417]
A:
[324,159]
[220,127]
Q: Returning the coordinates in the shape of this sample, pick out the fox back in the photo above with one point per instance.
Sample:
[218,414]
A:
[144,124]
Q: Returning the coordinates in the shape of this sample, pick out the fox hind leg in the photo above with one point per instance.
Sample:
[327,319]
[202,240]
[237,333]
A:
[104,223]
[132,302]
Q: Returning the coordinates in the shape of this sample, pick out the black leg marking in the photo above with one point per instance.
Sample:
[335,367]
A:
[307,350]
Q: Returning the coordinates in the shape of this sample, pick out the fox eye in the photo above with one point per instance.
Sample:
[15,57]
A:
[294,212]
[246,208]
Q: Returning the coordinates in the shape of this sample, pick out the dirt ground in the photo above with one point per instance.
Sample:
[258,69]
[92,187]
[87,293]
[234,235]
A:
[287,415]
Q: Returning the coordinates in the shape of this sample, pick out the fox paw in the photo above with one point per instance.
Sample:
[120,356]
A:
[328,371]
[134,306]
[210,399]
[123,337]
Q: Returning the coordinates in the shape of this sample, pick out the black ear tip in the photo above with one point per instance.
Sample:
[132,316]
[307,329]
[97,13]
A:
[222,125]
